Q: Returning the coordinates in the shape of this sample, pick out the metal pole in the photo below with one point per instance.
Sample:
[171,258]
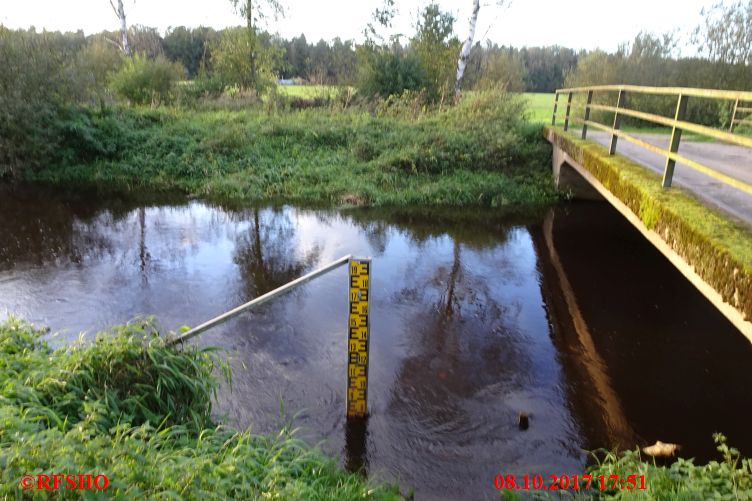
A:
[733,116]
[673,147]
[617,122]
[556,105]
[258,301]
[569,107]
[587,114]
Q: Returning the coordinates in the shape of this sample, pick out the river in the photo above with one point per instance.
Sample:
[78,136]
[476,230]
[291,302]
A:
[566,314]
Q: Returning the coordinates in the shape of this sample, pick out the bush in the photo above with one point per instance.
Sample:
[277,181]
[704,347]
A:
[35,86]
[387,72]
[147,81]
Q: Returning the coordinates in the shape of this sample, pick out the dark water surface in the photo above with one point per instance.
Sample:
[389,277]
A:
[568,315]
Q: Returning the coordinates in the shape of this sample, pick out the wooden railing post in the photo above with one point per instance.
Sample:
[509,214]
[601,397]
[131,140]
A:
[556,104]
[617,122]
[733,116]
[587,114]
[676,132]
[569,107]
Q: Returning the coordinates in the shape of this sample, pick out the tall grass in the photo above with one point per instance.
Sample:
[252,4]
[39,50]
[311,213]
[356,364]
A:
[131,408]
[394,152]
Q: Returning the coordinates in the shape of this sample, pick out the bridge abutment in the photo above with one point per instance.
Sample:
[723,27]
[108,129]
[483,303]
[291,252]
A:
[571,182]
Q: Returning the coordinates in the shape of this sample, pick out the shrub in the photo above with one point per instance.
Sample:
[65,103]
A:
[386,72]
[147,81]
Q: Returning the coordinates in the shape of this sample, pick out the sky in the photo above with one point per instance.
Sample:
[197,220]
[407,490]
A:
[579,24]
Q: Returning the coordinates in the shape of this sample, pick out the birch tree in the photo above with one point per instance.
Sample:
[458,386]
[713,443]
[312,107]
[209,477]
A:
[120,13]
[468,45]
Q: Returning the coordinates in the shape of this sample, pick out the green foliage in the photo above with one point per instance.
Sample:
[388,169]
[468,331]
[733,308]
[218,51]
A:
[147,81]
[35,85]
[189,46]
[730,478]
[479,152]
[95,64]
[437,49]
[389,71]
[233,64]
[131,408]
[726,34]
[648,61]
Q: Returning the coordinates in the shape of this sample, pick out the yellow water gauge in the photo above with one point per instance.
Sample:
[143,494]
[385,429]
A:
[358,337]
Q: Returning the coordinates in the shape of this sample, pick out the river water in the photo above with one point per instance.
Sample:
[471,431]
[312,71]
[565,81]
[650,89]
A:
[565,314]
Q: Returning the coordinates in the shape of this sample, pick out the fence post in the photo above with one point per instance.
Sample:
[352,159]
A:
[358,338]
[569,106]
[556,104]
[733,116]
[617,121]
[587,114]
[676,132]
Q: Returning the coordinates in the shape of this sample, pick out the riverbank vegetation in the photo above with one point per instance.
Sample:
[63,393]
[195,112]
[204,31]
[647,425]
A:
[127,123]
[140,413]
[477,153]
[729,478]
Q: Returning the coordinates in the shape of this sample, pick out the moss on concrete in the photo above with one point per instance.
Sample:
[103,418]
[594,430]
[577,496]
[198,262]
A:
[717,247]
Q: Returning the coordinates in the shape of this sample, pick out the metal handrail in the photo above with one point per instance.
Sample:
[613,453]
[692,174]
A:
[258,301]
[677,124]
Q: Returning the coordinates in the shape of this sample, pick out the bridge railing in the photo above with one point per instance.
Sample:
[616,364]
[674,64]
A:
[678,124]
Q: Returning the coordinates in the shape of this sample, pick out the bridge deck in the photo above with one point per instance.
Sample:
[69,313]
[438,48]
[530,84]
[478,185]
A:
[734,161]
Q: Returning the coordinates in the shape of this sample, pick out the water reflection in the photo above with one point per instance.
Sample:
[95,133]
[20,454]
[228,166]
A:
[476,317]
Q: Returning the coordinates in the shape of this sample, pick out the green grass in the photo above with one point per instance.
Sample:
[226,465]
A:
[131,408]
[540,107]
[478,153]
[307,91]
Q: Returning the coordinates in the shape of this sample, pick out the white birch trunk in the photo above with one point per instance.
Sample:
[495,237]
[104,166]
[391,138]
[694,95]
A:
[466,47]
[120,13]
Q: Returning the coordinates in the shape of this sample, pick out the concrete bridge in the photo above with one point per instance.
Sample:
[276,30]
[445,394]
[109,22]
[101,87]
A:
[694,206]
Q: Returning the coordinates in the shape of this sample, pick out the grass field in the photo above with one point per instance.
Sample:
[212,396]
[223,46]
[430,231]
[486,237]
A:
[307,91]
[540,107]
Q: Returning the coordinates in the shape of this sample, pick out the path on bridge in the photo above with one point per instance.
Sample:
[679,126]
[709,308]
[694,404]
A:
[734,161]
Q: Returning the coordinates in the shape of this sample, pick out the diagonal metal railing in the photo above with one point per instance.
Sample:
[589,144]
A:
[220,319]
[678,124]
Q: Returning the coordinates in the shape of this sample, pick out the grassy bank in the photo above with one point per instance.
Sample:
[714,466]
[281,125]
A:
[138,412]
[393,153]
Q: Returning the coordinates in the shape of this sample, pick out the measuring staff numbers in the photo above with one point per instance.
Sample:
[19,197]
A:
[357,344]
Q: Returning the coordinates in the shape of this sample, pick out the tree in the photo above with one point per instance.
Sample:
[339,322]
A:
[726,35]
[436,46]
[189,46]
[120,13]
[468,45]
[253,15]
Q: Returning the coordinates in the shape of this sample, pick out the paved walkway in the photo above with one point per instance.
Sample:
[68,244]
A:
[734,161]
